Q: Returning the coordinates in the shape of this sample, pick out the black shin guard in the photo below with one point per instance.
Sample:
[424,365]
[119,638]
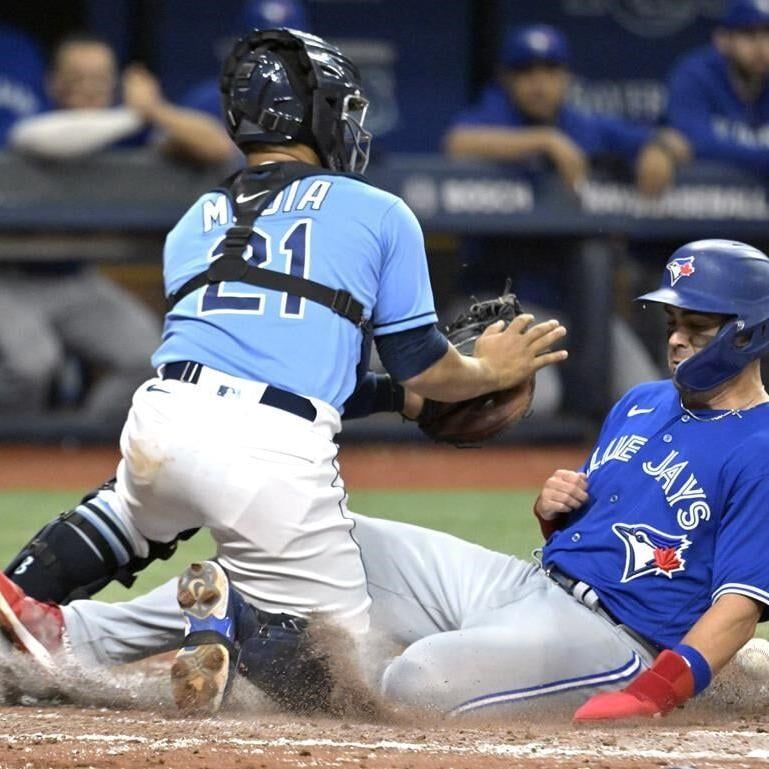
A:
[71,558]
[65,555]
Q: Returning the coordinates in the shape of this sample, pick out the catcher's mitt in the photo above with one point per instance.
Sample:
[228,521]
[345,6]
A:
[475,420]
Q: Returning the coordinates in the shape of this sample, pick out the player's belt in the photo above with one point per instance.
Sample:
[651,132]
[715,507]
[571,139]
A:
[189,371]
[585,594]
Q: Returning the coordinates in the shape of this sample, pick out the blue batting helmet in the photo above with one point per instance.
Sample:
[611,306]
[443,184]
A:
[283,85]
[724,277]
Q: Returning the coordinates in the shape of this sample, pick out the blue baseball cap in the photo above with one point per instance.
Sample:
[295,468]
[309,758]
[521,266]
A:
[524,46]
[270,14]
[744,14]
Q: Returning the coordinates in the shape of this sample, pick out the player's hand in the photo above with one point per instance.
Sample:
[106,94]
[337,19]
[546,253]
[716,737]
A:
[513,354]
[654,171]
[665,685]
[562,492]
[569,160]
[658,160]
[609,706]
[141,91]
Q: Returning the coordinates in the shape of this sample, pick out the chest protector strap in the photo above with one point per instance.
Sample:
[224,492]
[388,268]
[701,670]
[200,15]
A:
[250,192]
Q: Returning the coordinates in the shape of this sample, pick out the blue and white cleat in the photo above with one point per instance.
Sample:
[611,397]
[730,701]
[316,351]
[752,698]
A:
[203,667]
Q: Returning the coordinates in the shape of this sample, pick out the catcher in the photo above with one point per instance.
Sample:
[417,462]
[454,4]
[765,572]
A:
[55,565]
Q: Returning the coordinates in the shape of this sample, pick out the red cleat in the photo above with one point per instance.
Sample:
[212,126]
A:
[33,626]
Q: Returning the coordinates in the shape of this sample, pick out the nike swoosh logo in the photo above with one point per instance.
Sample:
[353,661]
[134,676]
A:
[155,389]
[245,198]
[635,411]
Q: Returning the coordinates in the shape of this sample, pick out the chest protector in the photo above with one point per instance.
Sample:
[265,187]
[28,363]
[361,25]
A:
[250,186]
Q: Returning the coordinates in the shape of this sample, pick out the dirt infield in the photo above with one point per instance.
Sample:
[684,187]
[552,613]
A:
[33,738]
[388,466]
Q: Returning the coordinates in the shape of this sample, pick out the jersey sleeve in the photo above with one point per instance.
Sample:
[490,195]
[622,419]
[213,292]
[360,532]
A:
[740,564]
[690,111]
[621,138]
[404,295]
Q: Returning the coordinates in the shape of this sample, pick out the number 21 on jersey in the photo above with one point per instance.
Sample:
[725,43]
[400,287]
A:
[293,246]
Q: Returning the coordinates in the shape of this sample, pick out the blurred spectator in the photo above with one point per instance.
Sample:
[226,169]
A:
[21,79]
[719,94]
[524,114]
[56,317]
[254,14]
[83,118]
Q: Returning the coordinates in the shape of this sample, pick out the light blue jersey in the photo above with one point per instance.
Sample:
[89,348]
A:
[334,230]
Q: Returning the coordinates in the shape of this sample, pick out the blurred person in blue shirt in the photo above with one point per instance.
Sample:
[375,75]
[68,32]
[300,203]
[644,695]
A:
[523,113]
[21,78]
[54,313]
[91,107]
[719,94]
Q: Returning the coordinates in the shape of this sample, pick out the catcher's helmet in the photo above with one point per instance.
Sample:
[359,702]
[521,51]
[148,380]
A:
[725,277]
[282,85]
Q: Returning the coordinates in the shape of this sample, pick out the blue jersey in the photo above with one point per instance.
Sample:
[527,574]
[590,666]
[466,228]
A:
[334,230]
[596,135]
[677,514]
[703,105]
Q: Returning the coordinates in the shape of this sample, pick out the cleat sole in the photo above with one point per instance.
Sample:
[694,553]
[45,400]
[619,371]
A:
[199,674]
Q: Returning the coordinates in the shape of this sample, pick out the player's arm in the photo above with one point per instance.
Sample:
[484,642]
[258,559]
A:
[686,670]
[563,492]
[658,159]
[426,363]
[186,132]
[512,144]
[499,142]
[419,356]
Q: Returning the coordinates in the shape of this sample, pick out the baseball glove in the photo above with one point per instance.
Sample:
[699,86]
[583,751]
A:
[472,421]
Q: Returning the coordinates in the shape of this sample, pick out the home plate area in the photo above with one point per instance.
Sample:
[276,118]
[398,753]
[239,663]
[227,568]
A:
[126,720]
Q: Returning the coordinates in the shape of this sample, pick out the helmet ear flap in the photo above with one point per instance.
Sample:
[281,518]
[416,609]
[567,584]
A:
[730,351]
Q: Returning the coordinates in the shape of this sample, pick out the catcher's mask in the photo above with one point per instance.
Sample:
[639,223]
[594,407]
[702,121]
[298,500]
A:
[724,277]
[283,85]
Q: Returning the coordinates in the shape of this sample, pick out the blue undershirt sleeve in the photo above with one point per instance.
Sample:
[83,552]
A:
[408,353]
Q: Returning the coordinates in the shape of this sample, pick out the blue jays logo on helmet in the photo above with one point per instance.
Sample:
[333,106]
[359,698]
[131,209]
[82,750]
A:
[680,268]
[722,277]
[650,551]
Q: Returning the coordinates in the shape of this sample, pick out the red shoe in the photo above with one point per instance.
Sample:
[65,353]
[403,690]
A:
[33,626]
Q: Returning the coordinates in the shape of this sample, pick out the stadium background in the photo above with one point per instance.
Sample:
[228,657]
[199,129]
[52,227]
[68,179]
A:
[422,61]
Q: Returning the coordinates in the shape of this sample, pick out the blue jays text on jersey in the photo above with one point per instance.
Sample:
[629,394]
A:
[704,105]
[676,516]
[334,230]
